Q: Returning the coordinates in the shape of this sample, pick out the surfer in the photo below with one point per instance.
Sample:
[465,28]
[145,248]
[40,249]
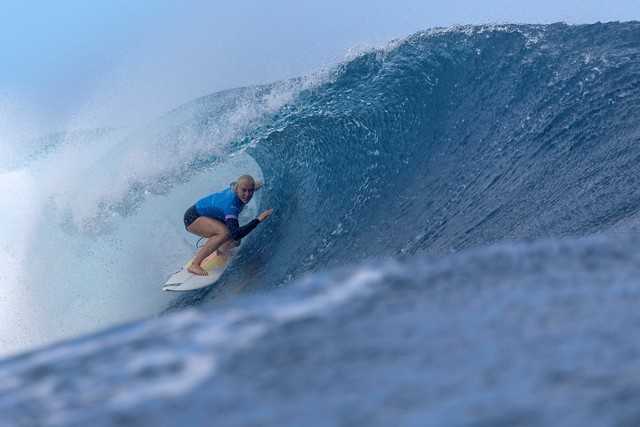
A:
[216,218]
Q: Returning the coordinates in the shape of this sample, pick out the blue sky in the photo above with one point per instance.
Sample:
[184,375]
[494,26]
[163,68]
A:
[73,63]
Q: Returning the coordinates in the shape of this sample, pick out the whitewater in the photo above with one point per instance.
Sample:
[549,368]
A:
[454,242]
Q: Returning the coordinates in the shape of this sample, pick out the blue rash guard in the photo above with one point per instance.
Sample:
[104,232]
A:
[225,206]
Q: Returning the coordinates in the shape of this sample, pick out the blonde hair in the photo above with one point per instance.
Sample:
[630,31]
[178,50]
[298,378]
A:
[243,178]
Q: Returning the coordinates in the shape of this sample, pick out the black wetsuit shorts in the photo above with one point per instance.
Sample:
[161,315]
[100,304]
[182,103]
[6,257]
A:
[190,215]
[234,228]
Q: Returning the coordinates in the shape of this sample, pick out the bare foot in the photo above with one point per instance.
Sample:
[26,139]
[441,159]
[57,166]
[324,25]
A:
[196,269]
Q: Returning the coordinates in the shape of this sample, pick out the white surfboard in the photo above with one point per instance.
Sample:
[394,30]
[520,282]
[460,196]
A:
[183,280]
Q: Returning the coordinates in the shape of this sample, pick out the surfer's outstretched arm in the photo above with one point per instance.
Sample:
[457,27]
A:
[238,232]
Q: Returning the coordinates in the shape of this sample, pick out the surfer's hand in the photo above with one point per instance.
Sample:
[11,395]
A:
[258,185]
[264,215]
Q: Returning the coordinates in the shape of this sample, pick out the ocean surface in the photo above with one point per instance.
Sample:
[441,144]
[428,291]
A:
[455,241]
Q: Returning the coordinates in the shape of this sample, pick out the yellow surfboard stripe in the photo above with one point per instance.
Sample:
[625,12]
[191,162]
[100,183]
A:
[211,262]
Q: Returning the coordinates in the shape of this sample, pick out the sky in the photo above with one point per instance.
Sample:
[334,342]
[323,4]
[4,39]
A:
[74,64]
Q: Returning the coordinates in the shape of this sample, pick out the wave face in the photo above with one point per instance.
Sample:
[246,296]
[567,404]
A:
[454,139]
[386,168]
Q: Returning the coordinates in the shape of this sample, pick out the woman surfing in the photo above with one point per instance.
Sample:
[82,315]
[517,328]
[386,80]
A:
[216,218]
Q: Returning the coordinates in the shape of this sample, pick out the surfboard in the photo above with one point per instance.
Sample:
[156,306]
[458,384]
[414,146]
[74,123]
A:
[183,280]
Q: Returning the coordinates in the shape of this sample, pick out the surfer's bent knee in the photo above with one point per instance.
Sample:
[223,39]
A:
[204,226]
[226,234]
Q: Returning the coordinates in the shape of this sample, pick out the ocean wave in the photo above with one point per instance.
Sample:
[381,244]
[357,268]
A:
[455,229]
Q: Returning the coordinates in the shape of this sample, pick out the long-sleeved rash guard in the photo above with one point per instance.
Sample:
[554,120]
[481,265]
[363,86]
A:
[225,206]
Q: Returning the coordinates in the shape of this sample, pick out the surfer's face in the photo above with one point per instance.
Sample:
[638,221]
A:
[244,191]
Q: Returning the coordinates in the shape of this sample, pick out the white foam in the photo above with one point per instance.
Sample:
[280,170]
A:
[18,125]
[59,277]
[355,284]
[71,262]
[196,367]
[19,208]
